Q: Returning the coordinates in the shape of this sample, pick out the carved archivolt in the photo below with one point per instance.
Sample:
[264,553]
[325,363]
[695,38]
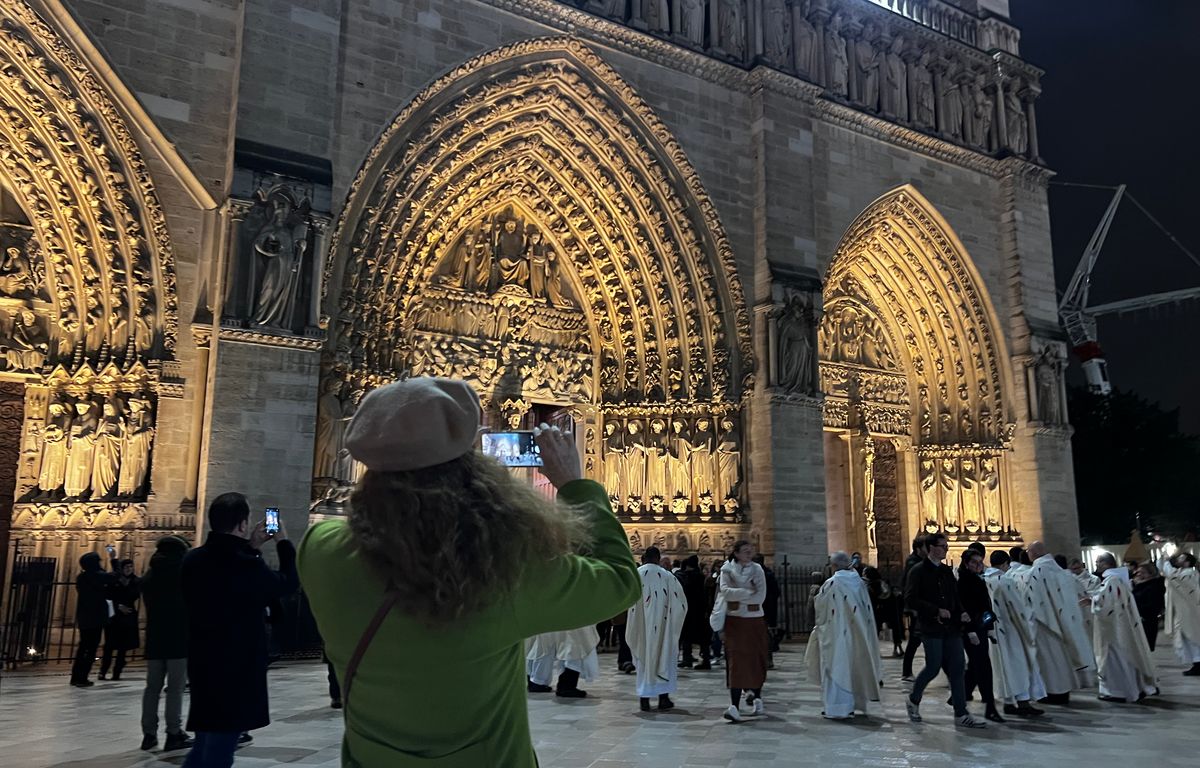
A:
[72,165]
[543,133]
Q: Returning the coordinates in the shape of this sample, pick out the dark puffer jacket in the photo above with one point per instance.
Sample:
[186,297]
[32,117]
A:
[162,594]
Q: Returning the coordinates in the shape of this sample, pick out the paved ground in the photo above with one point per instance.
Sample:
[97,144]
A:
[43,723]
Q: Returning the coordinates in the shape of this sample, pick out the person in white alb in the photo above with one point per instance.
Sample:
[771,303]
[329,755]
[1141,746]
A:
[1126,670]
[1014,662]
[1183,608]
[1088,584]
[571,653]
[843,650]
[1064,652]
[652,631]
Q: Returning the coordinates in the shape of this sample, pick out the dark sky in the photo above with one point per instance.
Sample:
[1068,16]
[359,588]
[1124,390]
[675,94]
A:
[1119,105]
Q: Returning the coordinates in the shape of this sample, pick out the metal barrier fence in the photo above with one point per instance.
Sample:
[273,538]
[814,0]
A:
[798,584]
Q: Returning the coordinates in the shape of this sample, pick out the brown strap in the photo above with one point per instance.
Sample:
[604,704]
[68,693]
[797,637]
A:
[364,642]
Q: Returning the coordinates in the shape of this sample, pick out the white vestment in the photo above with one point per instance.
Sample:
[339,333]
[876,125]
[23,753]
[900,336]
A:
[1183,611]
[1122,652]
[1088,584]
[1014,640]
[1064,653]
[843,649]
[549,653]
[653,628]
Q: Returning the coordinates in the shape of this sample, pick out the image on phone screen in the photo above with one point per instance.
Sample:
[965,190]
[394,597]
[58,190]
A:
[272,523]
[515,449]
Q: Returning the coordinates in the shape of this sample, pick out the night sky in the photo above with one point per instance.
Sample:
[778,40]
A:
[1119,105]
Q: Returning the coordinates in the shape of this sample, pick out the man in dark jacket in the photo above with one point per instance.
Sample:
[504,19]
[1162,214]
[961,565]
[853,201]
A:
[695,626]
[914,634]
[931,592]
[166,643]
[770,609]
[227,587]
[91,615]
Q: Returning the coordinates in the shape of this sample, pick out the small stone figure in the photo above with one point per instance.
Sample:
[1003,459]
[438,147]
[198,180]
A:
[81,449]
[282,243]
[135,451]
[778,32]
[923,95]
[733,28]
[55,434]
[837,59]
[804,38]
[866,68]
[691,21]
[1014,112]
[110,434]
[894,94]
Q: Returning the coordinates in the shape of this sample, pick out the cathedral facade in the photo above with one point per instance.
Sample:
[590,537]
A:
[783,266]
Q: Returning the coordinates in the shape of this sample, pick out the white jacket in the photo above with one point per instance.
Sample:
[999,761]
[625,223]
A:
[743,586]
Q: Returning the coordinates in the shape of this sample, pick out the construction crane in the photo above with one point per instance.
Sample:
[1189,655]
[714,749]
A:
[1080,319]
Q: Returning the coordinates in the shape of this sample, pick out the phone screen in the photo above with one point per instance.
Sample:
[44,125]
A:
[516,449]
[272,525]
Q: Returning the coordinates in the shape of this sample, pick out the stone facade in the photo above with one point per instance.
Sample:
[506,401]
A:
[267,125]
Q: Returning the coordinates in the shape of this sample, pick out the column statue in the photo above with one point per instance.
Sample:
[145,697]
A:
[924,99]
[700,449]
[281,244]
[952,104]
[691,21]
[728,462]
[984,108]
[1014,112]
[804,41]
[634,465]
[681,477]
[614,456]
[106,461]
[866,67]
[657,460]
[330,429]
[54,447]
[657,15]
[894,94]
[969,481]
[733,28]
[950,502]
[837,60]
[929,489]
[989,481]
[135,451]
[81,449]
[777,32]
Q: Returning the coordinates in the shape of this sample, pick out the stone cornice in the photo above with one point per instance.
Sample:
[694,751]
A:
[266,339]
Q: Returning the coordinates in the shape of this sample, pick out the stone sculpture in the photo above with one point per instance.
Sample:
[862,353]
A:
[135,450]
[81,449]
[777,33]
[106,461]
[804,36]
[837,59]
[55,434]
[894,93]
[281,244]
[796,369]
[691,21]
[866,68]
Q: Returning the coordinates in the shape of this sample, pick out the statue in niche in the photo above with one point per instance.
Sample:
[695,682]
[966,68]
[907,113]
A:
[55,433]
[612,8]
[804,37]
[797,372]
[508,246]
[984,107]
[681,478]
[281,245]
[106,459]
[969,482]
[866,67]
[733,27]
[837,60]
[777,32]
[929,489]
[635,541]
[691,21]
[657,15]
[952,104]
[869,492]
[634,461]
[682,545]
[728,461]
[19,278]
[657,461]
[464,262]
[81,449]
[923,99]
[700,449]
[705,543]
[26,346]
[1046,372]
[949,483]
[135,451]
[1014,112]
[330,431]
[614,455]
[535,256]
[894,93]
[989,482]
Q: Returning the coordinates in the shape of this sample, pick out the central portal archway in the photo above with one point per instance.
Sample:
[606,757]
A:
[917,417]
[528,225]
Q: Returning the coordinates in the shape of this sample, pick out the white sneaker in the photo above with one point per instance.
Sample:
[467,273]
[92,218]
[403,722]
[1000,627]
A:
[966,721]
[759,709]
[733,715]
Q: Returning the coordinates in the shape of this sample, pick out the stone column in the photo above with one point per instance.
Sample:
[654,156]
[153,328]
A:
[1031,129]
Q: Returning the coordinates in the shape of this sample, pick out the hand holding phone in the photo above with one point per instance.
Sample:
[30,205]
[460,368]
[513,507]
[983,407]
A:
[272,521]
[112,551]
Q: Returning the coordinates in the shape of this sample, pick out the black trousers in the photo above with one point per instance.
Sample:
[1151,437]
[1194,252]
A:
[696,637]
[910,650]
[1151,627]
[335,690]
[85,654]
[979,670]
[624,653]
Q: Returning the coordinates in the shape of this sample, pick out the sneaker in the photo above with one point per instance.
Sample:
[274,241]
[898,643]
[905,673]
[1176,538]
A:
[966,721]
[913,709]
[177,741]
[994,716]
[759,709]
[149,742]
[733,715]
[749,698]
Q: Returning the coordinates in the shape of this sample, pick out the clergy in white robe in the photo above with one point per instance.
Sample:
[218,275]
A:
[1064,653]
[1126,670]
[843,650]
[1014,640]
[653,629]
[1088,585]
[1183,608]
[570,654]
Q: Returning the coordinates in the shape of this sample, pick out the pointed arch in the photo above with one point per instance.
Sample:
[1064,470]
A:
[547,128]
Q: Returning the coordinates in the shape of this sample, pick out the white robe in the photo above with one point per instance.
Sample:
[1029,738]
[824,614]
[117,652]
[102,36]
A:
[1088,584]
[547,654]
[1014,640]
[843,649]
[1122,652]
[1064,653]
[652,630]
[1183,611]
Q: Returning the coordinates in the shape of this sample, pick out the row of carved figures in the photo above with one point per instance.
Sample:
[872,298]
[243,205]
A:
[93,448]
[678,462]
[962,494]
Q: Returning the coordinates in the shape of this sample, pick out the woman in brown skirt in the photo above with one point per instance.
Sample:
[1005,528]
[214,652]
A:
[743,588]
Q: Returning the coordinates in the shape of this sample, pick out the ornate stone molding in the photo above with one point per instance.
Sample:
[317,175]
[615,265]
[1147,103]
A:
[263,338]
[810,402]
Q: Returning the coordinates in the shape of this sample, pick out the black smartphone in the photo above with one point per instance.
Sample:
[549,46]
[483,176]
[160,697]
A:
[515,449]
[272,525]
[112,551]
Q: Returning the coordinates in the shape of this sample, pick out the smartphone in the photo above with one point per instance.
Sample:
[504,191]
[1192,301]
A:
[272,525]
[514,449]
[112,551]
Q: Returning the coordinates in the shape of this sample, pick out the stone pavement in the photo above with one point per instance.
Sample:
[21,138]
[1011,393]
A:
[45,723]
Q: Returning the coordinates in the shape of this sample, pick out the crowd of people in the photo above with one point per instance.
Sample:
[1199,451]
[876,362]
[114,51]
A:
[451,582]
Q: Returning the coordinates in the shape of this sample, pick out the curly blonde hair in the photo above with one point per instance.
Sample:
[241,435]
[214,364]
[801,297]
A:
[451,537]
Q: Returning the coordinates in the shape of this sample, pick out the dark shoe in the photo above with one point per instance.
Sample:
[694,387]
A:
[686,664]
[1114,699]
[116,676]
[178,741]
[245,739]
[1025,709]
[103,675]
[571,693]
[644,703]
[664,703]
[82,683]
[533,687]
[150,741]
[994,716]
[1056,698]
[1194,671]
[335,703]
[704,665]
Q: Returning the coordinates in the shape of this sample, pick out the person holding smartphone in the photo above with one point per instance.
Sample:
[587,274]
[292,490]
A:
[977,604]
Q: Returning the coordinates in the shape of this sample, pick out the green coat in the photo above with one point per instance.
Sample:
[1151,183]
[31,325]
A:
[455,696]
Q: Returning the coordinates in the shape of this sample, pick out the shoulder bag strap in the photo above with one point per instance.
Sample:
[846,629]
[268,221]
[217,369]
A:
[364,642]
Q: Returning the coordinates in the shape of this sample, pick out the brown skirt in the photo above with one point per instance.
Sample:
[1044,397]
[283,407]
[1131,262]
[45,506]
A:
[746,652]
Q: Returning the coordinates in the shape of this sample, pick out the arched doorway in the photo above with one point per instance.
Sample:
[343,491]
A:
[917,416]
[528,224]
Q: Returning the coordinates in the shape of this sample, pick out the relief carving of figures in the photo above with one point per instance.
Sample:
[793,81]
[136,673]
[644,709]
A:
[26,346]
[135,450]
[949,483]
[106,461]
[657,15]
[984,107]
[691,21]
[804,37]
[728,461]
[281,245]
[866,67]
[553,279]
[330,431]
[923,97]
[509,249]
[634,469]
[681,476]
[970,492]
[1014,113]
[614,458]
[989,481]
[894,94]
[19,275]
[657,460]
[777,32]
[797,369]
[952,103]
[837,59]
[733,27]
[700,449]
[869,492]
[81,448]
[535,255]
[464,262]
[613,8]
[55,435]
[929,489]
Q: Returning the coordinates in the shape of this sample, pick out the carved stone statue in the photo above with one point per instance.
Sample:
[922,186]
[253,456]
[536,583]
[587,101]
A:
[950,502]
[989,481]
[106,461]
[700,449]
[656,15]
[969,481]
[612,8]
[461,268]
[1046,377]
[614,455]
[923,96]
[657,460]
[952,104]
[17,276]
[55,433]
[796,368]
[330,431]
[837,59]
[681,478]
[804,41]
[869,481]
[281,244]
[777,32]
[135,451]
[535,254]
[554,286]
[81,449]
[634,469]
[894,93]
[728,461]
[929,490]
[732,27]
[866,67]
[691,21]
[510,255]
[26,347]
[981,123]
[1014,113]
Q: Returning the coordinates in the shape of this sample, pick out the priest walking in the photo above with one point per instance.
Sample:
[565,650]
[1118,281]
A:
[1183,608]
[1064,653]
[1126,669]
[843,650]
[1014,661]
[653,631]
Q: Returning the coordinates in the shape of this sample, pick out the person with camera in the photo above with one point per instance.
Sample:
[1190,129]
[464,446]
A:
[976,602]
[227,587]
[932,593]
[91,615]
